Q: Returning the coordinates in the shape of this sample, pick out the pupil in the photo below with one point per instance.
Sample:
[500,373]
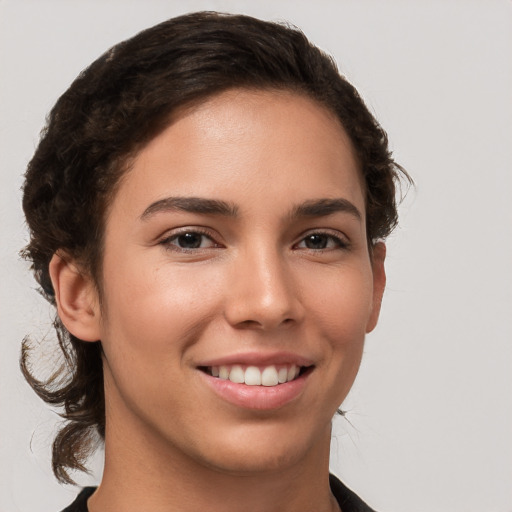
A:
[316,242]
[189,240]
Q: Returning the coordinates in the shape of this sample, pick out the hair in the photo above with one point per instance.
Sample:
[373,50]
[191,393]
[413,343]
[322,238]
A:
[115,106]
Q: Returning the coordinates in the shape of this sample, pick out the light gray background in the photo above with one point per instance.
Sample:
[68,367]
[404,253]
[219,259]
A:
[431,412]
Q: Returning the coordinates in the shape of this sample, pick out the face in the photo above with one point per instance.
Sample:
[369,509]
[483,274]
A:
[237,283]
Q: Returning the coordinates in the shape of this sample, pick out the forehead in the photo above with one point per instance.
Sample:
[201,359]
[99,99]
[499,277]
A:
[250,144]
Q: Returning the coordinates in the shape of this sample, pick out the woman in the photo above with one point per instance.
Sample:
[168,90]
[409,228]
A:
[207,208]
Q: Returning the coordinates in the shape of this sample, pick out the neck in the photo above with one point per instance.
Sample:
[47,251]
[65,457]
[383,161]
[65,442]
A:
[144,472]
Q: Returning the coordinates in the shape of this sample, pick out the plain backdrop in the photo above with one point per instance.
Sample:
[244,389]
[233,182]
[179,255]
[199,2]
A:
[429,422]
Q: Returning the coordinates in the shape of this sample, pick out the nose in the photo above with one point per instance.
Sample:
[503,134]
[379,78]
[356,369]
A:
[263,293]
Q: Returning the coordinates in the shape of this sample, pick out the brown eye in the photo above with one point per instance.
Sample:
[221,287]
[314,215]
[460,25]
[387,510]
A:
[322,241]
[189,240]
[316,241]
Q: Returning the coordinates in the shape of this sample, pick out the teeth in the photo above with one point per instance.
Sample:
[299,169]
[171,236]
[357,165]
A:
[291,372]
[223,372]
[236,374]
[254,376]
[269,376]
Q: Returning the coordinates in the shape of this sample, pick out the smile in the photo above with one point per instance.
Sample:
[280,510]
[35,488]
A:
[258,380]
[271,375]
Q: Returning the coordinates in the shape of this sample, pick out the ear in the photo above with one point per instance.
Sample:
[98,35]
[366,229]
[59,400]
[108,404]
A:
[379,283]
[76,298]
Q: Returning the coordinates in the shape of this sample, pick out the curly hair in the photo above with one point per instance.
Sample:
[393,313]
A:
[118,104]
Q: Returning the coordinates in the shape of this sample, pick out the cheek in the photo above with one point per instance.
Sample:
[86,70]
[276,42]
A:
[342,316]
[339,307]
[343,304]
[154,312]
[151,319]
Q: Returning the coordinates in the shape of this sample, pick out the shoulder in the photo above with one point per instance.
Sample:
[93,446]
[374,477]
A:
[348,500]
[80,504]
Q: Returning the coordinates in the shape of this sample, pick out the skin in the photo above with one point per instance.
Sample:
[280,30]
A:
[257,284]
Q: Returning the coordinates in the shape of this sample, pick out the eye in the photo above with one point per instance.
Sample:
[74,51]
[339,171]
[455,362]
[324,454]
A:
[322,241]
[189,240]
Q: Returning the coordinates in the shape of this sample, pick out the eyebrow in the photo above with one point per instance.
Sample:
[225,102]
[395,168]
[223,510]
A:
[311,208]
[324,207]
[192,205]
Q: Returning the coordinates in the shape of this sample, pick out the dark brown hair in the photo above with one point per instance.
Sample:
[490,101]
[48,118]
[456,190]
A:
[110,111]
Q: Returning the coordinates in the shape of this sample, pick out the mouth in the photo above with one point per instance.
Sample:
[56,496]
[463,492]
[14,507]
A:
[268,376]
[257,381]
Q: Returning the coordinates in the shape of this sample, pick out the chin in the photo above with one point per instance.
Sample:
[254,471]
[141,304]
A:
[253,462]
[262,448]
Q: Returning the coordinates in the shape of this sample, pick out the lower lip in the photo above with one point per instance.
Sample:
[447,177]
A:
[257,397]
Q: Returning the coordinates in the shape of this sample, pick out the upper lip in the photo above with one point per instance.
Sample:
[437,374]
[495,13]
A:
[258,359]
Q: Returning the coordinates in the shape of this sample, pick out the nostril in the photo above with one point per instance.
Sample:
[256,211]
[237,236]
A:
[250,324]
[254,324]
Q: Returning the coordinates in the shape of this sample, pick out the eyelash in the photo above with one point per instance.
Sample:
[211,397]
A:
[340,243]
[167,241]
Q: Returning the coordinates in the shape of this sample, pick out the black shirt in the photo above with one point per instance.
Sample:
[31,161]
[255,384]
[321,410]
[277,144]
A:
[347,500]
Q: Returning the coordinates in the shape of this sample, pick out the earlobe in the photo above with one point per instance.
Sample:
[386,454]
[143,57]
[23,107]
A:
[379,283]
[76,298]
